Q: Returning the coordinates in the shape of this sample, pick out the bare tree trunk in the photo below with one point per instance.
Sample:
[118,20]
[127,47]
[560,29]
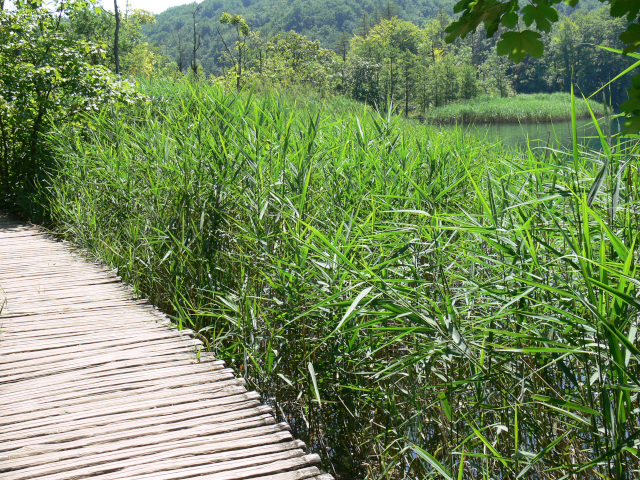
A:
[239,69]
[116,37]
[180,48]
[196,41]
[406,90]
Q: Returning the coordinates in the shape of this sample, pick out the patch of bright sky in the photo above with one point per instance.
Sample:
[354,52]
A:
[154,6]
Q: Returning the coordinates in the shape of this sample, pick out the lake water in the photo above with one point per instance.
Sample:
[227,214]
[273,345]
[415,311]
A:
[539,134]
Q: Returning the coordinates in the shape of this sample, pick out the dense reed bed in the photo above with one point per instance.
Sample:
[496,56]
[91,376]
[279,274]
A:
[417,304]
[523,108]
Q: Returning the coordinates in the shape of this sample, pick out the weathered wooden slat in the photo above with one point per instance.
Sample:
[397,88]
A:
[110,368]
[237,471]
[27,370]
[179,458]
[144,433]
[97,384]
[23,391]
[139,445]
[221,387]
[159,414]
[115,384]
[57,351]
[20,422]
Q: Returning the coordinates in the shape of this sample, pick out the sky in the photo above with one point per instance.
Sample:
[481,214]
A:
[154,6]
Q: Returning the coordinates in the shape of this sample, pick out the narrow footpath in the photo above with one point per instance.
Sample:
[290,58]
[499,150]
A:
[95,384]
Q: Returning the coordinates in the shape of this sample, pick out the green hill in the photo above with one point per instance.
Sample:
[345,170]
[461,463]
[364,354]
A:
[322,20]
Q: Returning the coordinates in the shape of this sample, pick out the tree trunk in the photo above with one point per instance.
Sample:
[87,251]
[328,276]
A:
[406,90]
[116,37]
[180,49]
[239,69]
[196,42]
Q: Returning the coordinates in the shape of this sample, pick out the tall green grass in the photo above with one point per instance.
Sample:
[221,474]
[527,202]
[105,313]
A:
[416,304]
[523,108]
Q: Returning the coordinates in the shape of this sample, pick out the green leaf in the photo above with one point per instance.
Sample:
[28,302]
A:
[565,404]
[432,461]
[620,8]
[626,298]
[446,408]
[460,28]
[632,124]
[509,20]
[461,5]
[631,36]
[542,13]
[520,44]
[541,454]
[316,391]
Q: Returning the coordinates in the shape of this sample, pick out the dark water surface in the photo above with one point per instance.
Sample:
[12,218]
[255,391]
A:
[539,134]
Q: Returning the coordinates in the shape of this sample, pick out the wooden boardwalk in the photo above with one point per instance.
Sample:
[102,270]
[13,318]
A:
[93,384]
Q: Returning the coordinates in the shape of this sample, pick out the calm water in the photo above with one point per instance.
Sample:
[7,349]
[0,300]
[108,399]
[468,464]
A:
[539,134]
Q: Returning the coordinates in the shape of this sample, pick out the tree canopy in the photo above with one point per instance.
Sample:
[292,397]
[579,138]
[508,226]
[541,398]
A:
[537,17]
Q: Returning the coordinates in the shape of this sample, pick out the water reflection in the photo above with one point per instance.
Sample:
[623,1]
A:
[540,134]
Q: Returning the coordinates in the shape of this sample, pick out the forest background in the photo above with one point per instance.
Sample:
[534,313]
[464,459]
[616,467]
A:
[371,52]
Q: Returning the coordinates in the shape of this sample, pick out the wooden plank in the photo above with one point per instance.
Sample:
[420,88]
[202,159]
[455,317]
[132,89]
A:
[96,384]
[140,432]
[179,377]
[70,382]
[178,458]
[159,414]
[120,447]
[54,419]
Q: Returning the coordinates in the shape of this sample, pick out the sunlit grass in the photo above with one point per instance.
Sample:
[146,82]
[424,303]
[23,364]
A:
[523,108]
[417,304]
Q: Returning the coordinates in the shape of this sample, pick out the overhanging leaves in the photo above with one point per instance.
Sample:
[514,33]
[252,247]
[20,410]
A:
[542,13]
[518,45]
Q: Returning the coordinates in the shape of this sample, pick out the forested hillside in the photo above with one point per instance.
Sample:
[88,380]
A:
[321,20]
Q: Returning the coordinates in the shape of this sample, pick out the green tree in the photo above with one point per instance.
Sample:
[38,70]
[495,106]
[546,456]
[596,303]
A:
[388,43]
[361,80]
[468,81]
[46,78]
[293,59]
[342,49]
[96,25]
[197,41]
[242,32]
[517,42]
[495,76]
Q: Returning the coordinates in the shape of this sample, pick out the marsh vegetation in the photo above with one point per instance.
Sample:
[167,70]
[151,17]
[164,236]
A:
[416,303]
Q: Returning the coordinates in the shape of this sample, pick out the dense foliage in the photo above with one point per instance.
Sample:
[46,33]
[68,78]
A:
[416,70]
[45,78]
[96,25]
[323,20]
[417,304]
[518,42]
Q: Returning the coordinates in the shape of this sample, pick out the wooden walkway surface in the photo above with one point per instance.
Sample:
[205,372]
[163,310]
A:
[93,384]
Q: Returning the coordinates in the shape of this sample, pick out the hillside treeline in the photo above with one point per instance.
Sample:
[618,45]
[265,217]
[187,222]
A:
[321,20]
[395,60]
[384,60]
